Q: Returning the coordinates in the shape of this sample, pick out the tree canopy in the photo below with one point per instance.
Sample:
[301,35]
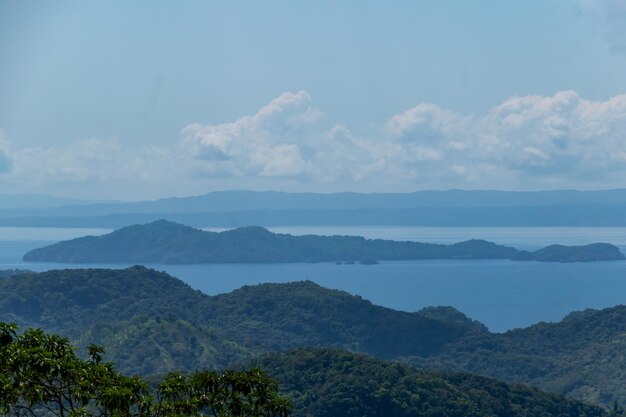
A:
[42,375]
[331,382]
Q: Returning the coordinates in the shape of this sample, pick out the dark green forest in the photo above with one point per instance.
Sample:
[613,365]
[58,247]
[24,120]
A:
[41,375]
[330,382]
[152,323]
[154,310]
[6,273]
[582,356]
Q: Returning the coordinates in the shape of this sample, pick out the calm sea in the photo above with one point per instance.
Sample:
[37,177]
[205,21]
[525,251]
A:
[502,294]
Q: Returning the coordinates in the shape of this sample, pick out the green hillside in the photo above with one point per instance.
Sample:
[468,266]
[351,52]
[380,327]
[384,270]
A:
[154,323]
[103,306]
[157,345]
[328,383]
[6,273]
[70,301]
[285,316]
[583,356]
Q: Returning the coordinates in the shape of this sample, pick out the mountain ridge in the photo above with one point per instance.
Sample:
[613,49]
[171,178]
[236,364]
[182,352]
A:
[258,318]
[273,208]
[152,322]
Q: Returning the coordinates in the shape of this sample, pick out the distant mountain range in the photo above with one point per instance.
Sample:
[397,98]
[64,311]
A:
[41,201]
[152,323]
[423,208]
[172,243]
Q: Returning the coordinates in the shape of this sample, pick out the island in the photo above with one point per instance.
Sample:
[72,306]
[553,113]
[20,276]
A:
[166,242]
[561,253]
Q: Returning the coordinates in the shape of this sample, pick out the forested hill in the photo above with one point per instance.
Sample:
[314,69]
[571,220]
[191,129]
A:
[172,243]
[327,382]
[580,356]
[6,273]
[152,322]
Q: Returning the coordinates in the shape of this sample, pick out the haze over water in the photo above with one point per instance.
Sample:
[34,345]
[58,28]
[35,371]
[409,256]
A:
[502,294]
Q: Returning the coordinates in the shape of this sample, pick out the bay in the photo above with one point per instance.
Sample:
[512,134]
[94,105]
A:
[500,293]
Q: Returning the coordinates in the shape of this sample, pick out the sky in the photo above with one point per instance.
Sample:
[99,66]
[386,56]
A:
[149,99]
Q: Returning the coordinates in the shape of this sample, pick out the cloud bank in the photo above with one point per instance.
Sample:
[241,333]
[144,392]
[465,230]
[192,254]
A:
[91,161]
[527,142]
[557,140]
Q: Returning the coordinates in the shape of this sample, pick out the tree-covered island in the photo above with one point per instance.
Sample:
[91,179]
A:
[167,242]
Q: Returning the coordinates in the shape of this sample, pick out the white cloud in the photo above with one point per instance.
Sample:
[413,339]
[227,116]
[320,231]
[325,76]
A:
[534,141]
[561,134]
[272,142]
[426,122]
[90,161]
[529,142]
[6,161]
[284,139]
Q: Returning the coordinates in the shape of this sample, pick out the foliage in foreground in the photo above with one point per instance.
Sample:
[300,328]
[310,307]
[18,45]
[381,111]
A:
[40,374]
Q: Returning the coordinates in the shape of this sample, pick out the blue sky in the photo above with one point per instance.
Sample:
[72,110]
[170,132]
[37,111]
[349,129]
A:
[147,99]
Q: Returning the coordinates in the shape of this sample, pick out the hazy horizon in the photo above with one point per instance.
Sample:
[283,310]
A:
[43,196]
[135,101]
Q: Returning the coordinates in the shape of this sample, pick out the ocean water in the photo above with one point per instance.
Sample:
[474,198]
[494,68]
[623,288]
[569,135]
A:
[500,293]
